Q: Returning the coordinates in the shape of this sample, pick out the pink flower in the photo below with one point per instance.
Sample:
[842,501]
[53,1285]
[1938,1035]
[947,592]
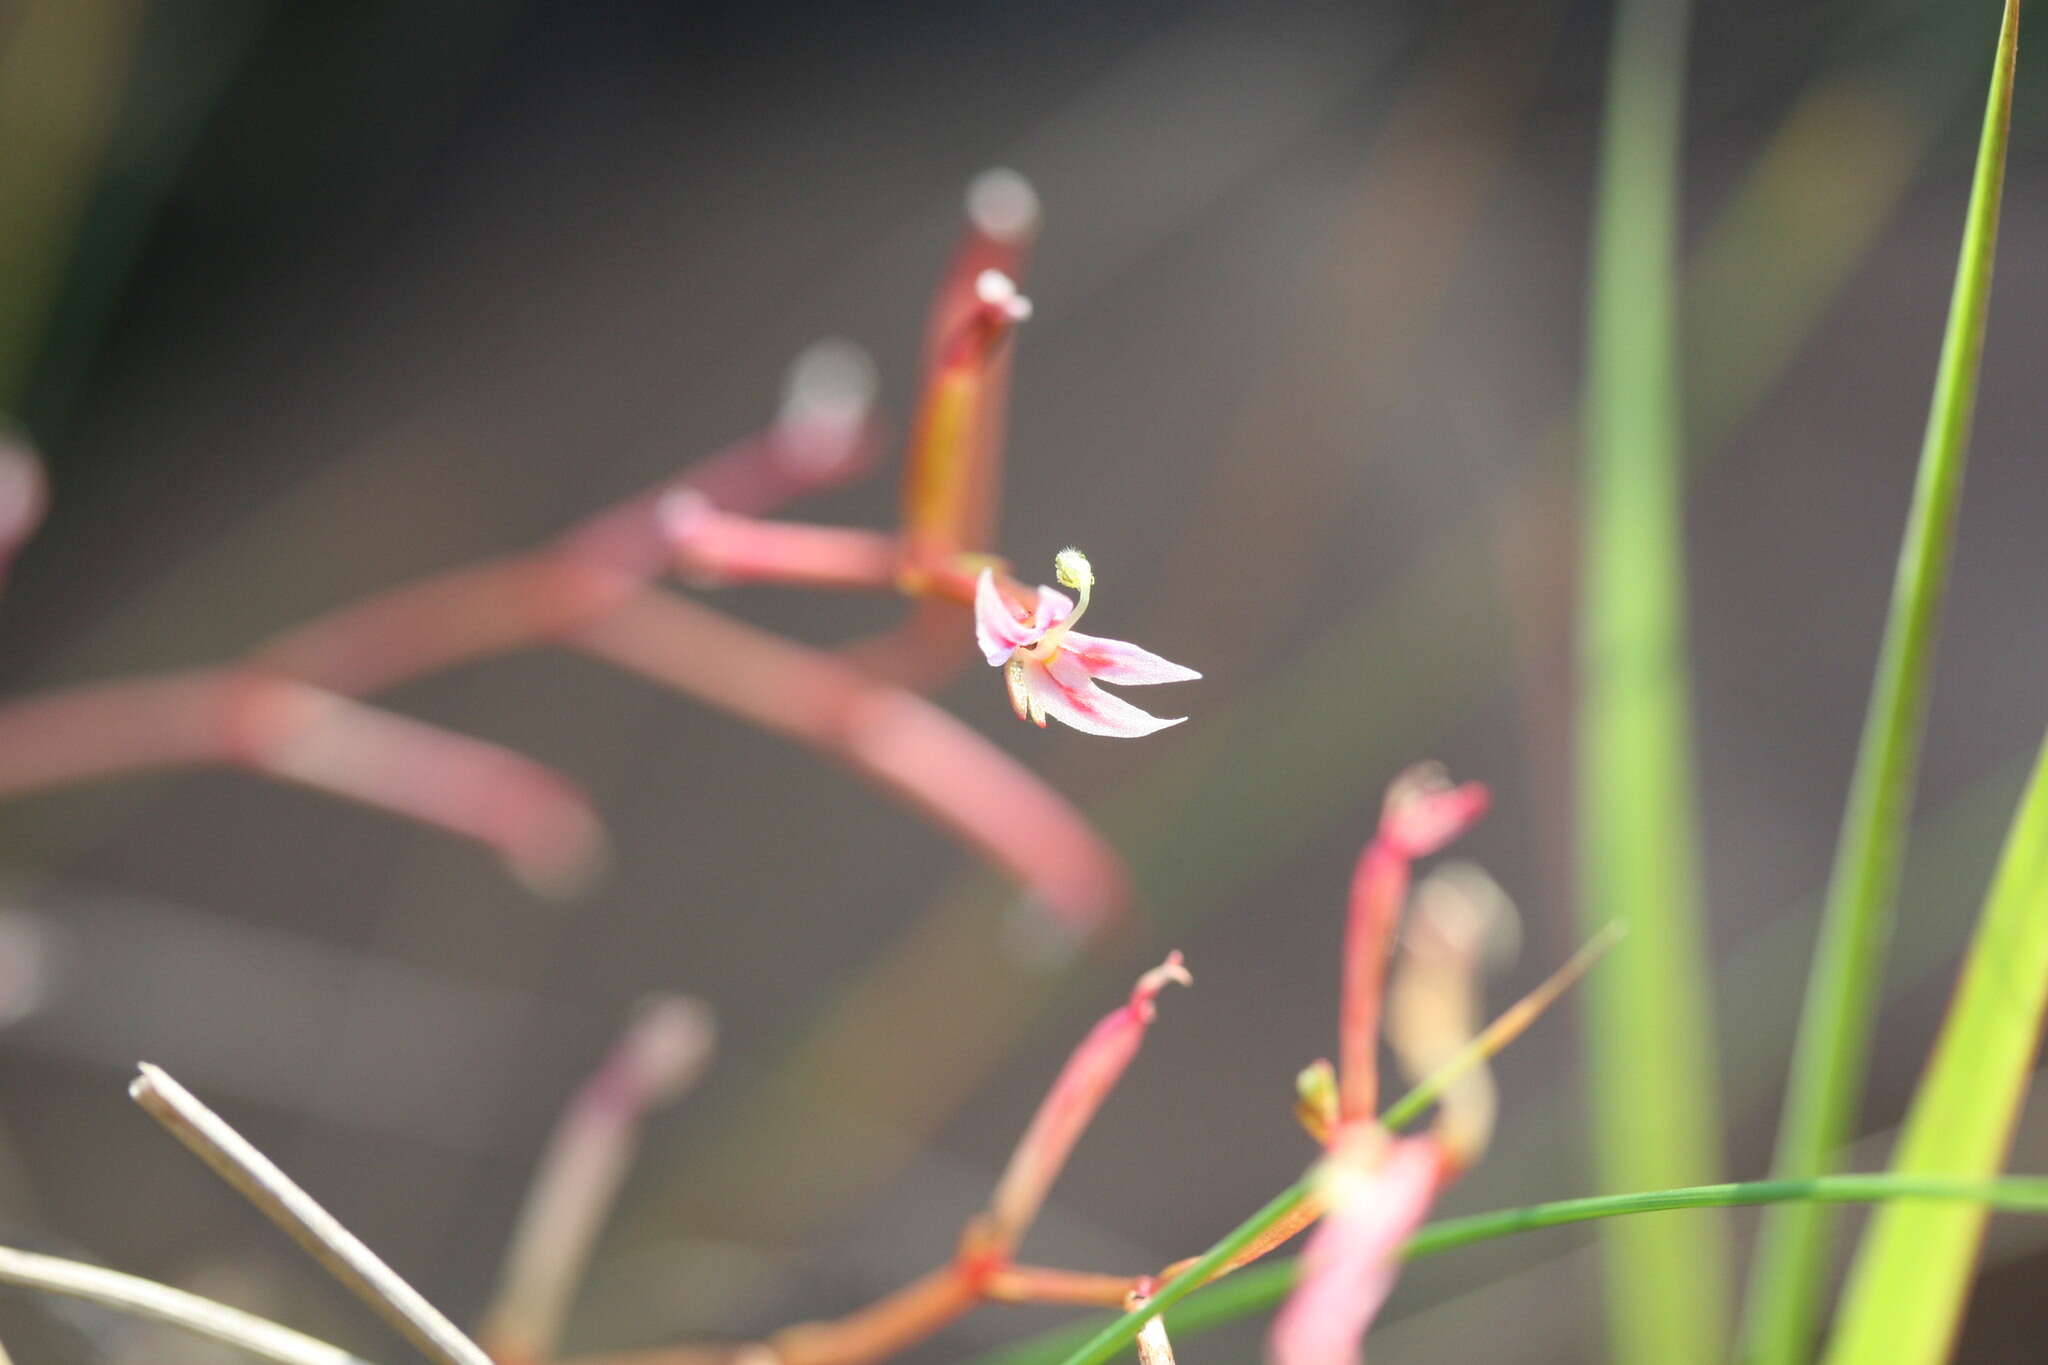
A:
[1051,668]
[1379,1191]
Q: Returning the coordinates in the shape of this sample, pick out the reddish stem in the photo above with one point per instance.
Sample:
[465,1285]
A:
[242,717]
[893,737]
[722,549]
[24,498]
[1423,812]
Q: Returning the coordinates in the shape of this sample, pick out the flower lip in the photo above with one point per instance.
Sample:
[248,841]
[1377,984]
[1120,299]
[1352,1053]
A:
[1051,670]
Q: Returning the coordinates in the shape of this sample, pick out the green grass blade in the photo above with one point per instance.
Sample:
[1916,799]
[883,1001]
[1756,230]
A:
[1261,1287]
[1830,1058]
[1907,1288]
[1655,1117]
[1108,1343]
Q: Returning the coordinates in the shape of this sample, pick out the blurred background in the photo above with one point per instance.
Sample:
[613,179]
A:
[301,301]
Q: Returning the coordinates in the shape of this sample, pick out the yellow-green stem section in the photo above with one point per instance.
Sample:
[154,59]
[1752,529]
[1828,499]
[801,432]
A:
[1830,1059]
[1655,1115]
[936,486]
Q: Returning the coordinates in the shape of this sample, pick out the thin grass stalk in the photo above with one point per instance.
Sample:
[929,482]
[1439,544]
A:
[1262,1287]
[162,1303]
[1830,1059]
[1655,1111]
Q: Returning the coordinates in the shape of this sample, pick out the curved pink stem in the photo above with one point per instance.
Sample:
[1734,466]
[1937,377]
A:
[24,498]
[241,717]
[895,738]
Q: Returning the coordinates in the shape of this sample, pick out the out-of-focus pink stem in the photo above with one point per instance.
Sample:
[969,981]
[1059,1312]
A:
[824,436]
[659,1057]
[448,619]
[1423,812]
[953,477]
[24,498]
[896,739]
[1002,224]
[719,548]
[242,717]
[1068,1108]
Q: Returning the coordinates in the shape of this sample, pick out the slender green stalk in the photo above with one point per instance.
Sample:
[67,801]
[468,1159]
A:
[1655,1112]
[1105,1344]
[1830,1058]
[1261,1287]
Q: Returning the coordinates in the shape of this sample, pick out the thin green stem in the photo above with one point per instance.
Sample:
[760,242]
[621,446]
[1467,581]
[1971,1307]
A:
[1830,1057]
[1252,1291]
[1105,1344]
[1655,1108]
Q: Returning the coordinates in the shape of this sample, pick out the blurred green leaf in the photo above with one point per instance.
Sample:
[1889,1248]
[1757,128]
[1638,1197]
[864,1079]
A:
[1655,1116]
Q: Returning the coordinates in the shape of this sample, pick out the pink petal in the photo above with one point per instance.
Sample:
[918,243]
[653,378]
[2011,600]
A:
[1054,606]
[1116,661]
[996,628]
[1067,694]
[1349,1266]
[1424,811]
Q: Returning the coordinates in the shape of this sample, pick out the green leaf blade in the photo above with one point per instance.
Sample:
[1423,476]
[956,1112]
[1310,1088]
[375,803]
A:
[1912,1274]
[1830,1057]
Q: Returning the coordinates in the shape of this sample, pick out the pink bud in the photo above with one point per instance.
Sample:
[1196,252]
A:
[1424,811]
[1089,1075]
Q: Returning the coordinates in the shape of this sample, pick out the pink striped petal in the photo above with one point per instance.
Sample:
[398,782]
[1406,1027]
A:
[1065,692]
[996,628]
[1116,661]
[1349,1266]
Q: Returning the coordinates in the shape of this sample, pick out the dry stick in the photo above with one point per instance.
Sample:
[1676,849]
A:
[336,1248]
[162,1303]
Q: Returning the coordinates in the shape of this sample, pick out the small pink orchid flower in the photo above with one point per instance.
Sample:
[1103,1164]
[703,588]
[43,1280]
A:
[1051,668]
